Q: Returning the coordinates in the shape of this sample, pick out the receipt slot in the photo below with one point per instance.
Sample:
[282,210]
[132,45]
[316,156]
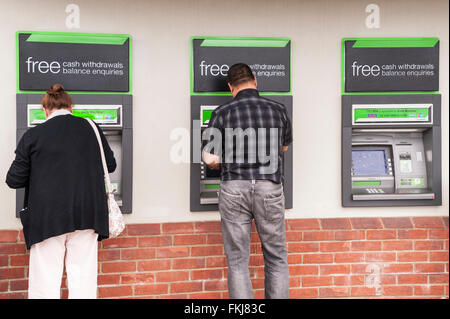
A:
[391,150]
[113,113]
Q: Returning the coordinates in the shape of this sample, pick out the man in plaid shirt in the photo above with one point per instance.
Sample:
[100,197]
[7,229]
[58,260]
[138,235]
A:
[249,136]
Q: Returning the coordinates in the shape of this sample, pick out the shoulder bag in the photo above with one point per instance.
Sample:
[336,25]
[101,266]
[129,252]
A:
[116,220]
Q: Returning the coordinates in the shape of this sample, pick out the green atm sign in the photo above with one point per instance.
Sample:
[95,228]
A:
[394,65]
[97,115]
[88,63]
[205,113]
[206,116]
[391,113]
[269,59]
[36,116]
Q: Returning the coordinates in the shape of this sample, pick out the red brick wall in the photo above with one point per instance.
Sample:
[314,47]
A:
[328,258]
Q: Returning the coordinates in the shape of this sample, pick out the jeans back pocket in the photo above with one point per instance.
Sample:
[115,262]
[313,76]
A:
[229,205]
[274,207]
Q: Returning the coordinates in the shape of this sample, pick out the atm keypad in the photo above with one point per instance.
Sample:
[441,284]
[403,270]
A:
[389,166]
[202,170]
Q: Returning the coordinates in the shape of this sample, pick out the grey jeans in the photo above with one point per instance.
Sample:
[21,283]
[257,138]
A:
[240,202]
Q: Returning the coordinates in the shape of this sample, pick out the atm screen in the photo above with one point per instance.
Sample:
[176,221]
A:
[104,115]
[212,173]
[206,116]
[369,162]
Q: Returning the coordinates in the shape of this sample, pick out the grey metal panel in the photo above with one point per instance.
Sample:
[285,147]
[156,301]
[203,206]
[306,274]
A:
[127,171]
[393,196]
[437,164]
[125,100]
[436,109]
[437,149]
[21,112]
[20,193]
[127,155]
[196,102]
[127,104]
[434,129]
[348,100]
[346,112]
[288,186]
[428,149]
[346,159]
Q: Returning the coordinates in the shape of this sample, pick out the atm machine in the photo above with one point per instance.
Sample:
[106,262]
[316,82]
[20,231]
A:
[209,178]
[391,150]
[209,89]
[113,113]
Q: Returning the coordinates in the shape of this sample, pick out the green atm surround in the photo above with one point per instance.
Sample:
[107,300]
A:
[113,113]
[416,120]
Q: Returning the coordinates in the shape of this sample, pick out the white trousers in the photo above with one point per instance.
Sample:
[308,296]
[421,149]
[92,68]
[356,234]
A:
[79,250]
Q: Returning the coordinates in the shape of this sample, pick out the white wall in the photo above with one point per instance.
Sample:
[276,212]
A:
[161,31]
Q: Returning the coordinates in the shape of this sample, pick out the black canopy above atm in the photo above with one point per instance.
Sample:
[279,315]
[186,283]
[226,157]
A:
[269,59]
[390,65]
[83,62]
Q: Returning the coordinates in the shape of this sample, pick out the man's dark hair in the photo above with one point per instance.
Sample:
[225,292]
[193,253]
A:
[240,73]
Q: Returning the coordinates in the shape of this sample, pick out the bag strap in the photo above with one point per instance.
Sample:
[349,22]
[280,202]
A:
[105,168]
